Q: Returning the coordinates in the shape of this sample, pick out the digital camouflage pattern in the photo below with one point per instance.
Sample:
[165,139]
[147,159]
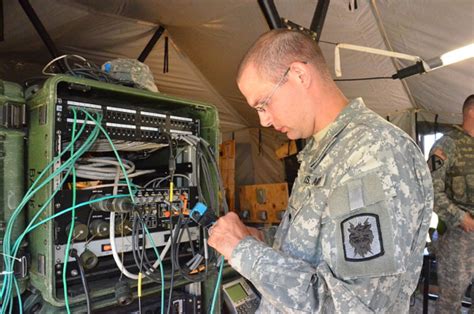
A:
[453,176]
[452,164]
[131,71]
[455,269]
[364,173]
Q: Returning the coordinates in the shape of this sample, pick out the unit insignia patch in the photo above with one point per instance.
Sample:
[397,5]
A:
[361,237]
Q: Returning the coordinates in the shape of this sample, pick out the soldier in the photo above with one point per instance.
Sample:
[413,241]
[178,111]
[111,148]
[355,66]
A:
[353,235]
[452,164]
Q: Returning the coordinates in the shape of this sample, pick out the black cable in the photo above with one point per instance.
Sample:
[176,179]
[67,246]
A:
[364,79]
[328,42]
[140,261]
[140,269]
[83,279]
[175,257]
[213,162]
[189,239]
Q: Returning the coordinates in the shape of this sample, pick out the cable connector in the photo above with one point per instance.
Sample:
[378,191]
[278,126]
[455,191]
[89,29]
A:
[202,216]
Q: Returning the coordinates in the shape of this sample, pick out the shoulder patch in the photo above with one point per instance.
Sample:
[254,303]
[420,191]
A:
[362,237]
[440,153]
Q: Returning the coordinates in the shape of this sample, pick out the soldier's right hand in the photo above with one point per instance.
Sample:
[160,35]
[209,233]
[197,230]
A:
[467,224]
[257,234]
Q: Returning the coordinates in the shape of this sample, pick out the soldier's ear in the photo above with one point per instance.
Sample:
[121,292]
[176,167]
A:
[303,75]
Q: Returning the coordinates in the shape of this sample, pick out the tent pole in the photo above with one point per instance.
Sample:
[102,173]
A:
[41,30]
[2,21]
[319,17]
[271,13]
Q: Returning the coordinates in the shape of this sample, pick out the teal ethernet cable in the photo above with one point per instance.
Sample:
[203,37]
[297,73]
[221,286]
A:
[161,269]
[116,154]
[66,258]
[6,245]
[32,190]
[8,280]
[218,283]
[62,213]
[73,217]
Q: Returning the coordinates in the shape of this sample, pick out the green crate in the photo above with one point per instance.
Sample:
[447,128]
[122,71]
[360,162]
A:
[12,161]
[42,117]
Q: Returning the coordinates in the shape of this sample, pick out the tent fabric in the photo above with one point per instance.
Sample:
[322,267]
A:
[207,39]
[210,36]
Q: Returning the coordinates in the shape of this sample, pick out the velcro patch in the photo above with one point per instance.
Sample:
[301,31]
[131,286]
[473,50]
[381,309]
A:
[440,153]
[362,237]
[435,162]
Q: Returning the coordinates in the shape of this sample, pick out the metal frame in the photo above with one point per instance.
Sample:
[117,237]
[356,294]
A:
[274,20]
[319,17]
[41,30]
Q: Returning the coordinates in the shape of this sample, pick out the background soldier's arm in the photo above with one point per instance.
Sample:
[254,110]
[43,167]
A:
[441,159]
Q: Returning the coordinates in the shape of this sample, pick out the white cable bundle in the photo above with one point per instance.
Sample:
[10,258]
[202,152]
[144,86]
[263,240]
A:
[102,145]
[105,168]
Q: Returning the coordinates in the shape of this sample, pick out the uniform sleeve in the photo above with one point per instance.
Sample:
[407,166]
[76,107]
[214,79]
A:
[289,281]
[371,241]
[440,160]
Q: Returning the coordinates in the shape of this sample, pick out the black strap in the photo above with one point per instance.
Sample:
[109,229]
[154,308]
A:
[166,59]
[435,130]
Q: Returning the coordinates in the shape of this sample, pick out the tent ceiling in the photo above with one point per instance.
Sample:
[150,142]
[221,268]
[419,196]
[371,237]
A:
[208,38]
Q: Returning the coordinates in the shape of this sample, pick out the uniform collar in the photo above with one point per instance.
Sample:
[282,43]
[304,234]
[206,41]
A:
[460,129]
[342,120]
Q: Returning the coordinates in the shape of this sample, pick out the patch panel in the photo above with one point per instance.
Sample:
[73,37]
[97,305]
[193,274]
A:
[126,123]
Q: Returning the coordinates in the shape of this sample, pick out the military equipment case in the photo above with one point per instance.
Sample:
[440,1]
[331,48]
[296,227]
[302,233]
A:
[12,175]
[43,116]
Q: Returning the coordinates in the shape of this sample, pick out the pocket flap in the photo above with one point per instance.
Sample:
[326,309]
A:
[356,194]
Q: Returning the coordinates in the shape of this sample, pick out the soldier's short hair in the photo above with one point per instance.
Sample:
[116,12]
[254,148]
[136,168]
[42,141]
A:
[275,50]
[468,104]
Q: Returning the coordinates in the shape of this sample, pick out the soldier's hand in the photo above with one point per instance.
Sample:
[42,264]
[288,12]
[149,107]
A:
[226,233]
[467,223]
[257,234]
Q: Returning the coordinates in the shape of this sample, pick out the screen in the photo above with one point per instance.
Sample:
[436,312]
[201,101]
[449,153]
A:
[236,293]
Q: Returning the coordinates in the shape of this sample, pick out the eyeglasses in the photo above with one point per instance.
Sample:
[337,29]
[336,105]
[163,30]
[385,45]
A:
[260,107]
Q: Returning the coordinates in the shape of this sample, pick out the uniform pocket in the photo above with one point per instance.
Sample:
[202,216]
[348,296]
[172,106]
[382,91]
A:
[459,187]
[470,188]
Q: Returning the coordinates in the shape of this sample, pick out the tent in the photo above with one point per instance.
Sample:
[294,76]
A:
[207,38]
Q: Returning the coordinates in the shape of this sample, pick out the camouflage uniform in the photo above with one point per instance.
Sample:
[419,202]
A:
[452,162]
[353,236]
[131,71]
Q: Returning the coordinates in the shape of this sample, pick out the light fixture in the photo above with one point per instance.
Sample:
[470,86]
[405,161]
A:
[421,66]
[445,59]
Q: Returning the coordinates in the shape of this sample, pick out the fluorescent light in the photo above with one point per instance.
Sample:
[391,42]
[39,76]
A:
[445,59]
[458,55]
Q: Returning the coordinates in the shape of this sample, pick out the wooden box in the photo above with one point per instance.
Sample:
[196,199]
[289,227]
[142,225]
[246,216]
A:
[263,203]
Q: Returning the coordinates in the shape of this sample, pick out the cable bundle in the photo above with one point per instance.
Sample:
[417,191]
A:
[105,168]
[65,170]
[79,66]
[102,145]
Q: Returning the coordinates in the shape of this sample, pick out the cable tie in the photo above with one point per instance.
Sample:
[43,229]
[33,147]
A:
[6,272]
[15,258]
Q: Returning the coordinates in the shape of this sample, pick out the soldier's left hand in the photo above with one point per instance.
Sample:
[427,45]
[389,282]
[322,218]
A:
[226,233]
[468,223]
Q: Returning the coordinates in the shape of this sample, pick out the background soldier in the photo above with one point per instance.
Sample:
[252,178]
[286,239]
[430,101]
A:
[452,164]
[352,238]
